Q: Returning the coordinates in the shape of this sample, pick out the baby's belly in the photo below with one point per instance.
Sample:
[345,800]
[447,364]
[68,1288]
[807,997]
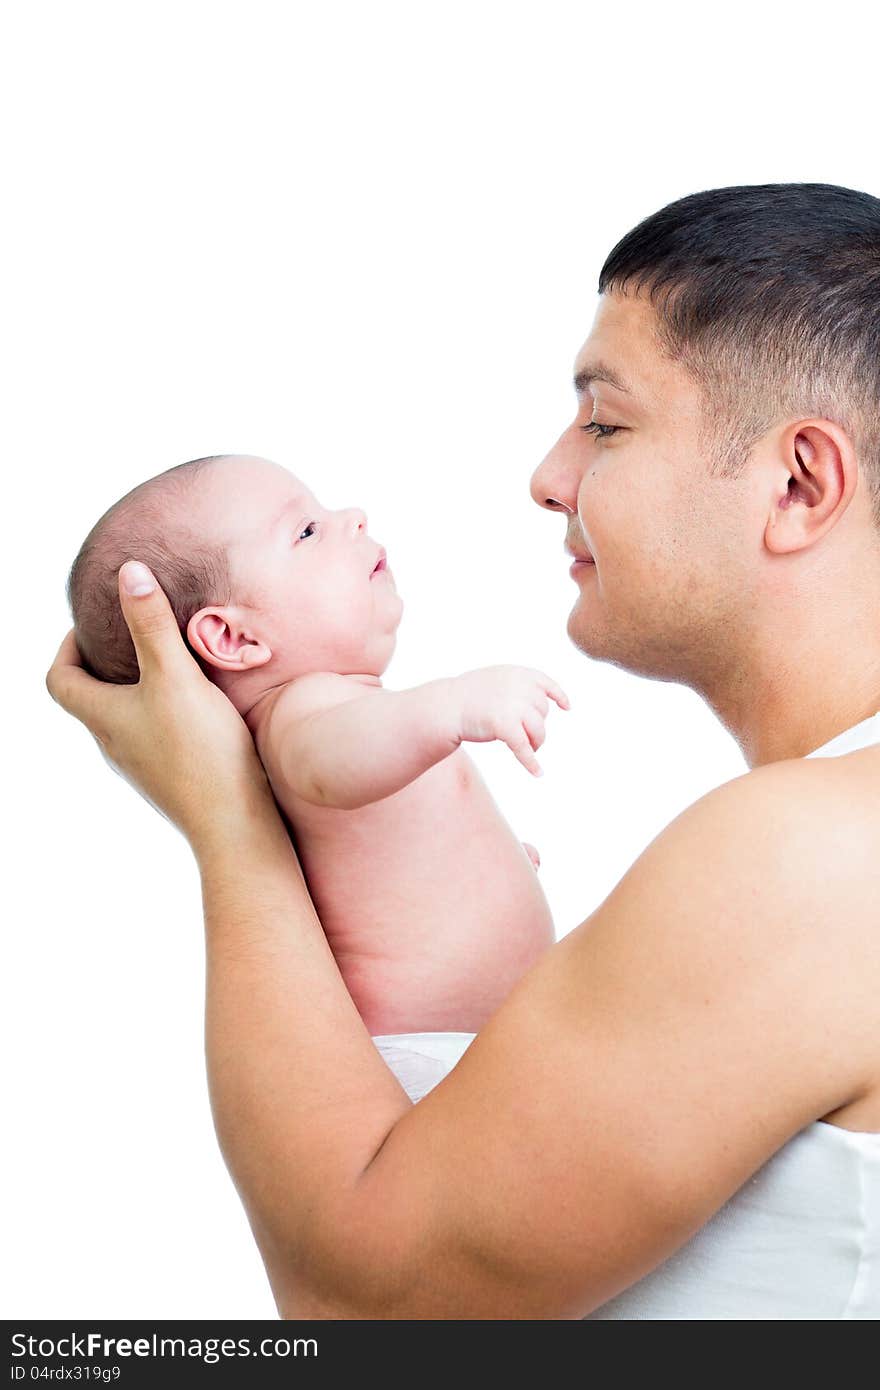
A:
[431,905]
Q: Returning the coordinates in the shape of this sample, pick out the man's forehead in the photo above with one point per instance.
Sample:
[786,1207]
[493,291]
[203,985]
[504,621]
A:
[621,351]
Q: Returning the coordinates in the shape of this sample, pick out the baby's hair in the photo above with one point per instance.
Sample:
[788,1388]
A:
[147,524]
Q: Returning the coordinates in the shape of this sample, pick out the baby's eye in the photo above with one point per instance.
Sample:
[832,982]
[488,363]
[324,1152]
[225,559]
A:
[312,527]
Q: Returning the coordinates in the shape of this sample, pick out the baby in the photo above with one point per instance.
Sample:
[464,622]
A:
[430,904]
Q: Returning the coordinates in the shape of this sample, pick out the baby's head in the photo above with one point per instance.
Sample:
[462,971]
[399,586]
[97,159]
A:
[264,582]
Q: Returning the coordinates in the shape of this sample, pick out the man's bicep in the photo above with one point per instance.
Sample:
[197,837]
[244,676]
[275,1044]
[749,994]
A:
[633,1081]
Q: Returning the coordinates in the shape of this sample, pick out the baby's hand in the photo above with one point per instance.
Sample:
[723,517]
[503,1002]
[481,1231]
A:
[533,854]
[507,703]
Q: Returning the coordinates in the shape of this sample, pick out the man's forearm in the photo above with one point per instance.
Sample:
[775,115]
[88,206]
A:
[359,752]
[301,1099]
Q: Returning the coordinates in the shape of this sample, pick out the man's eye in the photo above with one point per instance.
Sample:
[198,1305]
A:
[600,431]
[312,527]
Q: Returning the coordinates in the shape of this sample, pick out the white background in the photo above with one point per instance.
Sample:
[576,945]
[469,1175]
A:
[362,240]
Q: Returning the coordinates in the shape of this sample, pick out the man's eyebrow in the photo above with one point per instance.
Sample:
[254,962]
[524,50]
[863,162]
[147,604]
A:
[599,371]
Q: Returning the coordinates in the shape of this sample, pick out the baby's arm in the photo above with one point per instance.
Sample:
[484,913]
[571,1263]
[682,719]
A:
[335,743]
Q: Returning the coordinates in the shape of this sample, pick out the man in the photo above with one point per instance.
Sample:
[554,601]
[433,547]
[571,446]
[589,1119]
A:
[713,1024]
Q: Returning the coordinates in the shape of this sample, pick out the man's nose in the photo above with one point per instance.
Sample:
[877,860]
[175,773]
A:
[554,483]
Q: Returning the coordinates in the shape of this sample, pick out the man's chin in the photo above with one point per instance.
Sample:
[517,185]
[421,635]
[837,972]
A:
[584,635]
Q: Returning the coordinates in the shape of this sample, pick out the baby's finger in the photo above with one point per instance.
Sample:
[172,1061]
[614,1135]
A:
[521,747]
[540,701]
[555,692]
[533,723]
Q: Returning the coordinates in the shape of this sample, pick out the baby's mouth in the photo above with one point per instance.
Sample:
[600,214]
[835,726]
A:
[380,564]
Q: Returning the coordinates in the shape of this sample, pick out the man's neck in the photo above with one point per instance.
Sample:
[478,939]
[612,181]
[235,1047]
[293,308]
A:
[789,697]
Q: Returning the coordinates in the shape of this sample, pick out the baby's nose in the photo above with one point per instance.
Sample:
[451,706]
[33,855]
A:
[357,518]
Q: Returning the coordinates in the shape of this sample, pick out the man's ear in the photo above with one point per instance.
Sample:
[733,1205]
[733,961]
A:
[819,472]
[222,638]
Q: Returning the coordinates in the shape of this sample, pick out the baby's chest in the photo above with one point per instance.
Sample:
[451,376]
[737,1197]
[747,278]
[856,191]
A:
[421,824]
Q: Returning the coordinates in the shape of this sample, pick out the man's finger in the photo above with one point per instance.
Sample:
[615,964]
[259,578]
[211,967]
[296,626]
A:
[66,656]
[73,688]
[151,621]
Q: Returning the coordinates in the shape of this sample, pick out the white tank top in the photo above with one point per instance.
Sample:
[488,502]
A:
[800,1240]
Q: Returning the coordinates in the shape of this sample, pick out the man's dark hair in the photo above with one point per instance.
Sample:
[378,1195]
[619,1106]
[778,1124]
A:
[149,524]
[769,296]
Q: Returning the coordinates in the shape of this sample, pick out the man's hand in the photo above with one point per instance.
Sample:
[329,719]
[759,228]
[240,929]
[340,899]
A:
[508,703]
[174,736]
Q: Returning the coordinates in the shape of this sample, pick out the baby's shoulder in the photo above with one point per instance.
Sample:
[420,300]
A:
[307,695]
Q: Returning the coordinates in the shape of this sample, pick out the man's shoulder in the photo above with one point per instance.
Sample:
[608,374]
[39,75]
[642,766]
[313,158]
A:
[802,875]
[787,857]
[829,806]
[755,908]
[807,824]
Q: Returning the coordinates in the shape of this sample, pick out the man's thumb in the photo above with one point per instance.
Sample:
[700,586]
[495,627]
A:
[137,580]
[147,612]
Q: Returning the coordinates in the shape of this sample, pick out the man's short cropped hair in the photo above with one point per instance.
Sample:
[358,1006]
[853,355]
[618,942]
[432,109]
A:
[769,296]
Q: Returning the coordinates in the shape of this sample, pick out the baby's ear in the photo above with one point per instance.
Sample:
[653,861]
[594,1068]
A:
[221,637]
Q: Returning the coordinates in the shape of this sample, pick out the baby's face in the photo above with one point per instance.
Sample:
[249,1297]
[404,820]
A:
[305,579]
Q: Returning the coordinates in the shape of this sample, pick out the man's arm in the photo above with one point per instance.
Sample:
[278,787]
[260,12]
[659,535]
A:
[336,742]
[634,1079]
[721,997]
